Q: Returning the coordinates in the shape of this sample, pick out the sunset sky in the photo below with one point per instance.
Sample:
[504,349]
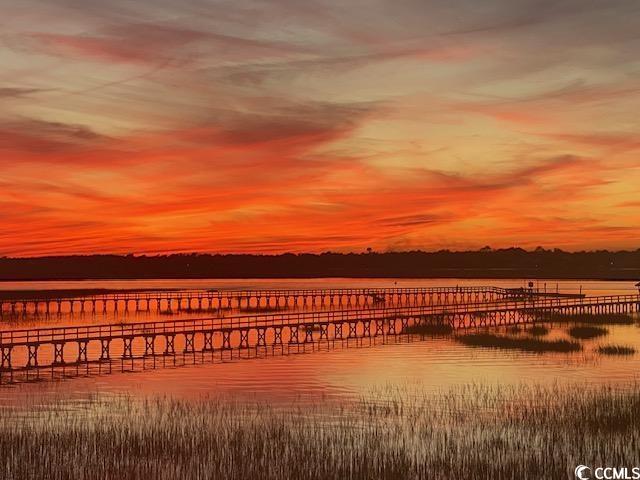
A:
[153,126]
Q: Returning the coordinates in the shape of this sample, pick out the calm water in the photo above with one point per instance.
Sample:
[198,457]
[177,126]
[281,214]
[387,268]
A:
[344,372]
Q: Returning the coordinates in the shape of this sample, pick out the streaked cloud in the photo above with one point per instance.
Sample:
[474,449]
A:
[308,126]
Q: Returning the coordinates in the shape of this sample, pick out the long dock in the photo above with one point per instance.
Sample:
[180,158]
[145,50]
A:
[275,330]
[213,300]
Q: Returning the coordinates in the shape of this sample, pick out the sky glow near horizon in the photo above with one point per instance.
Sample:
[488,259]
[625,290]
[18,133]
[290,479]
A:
[286,126]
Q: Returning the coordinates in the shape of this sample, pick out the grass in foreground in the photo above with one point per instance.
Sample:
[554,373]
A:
[592,318]
[616,350]
[523,344]
[477,432]
[587,332]
[425,329]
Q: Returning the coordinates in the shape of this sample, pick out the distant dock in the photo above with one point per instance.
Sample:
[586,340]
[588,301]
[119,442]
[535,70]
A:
[371,313]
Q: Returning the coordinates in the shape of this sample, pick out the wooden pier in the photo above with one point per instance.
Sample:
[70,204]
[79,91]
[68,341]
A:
[86,344]
[216,300]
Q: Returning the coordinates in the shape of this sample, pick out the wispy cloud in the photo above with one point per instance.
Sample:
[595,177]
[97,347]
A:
[150,126]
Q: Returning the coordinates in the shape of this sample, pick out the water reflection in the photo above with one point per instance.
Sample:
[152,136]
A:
[433,363]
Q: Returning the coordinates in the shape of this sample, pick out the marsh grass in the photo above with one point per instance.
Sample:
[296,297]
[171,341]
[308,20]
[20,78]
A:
[616,350]
[592,318]
[523,344]
[587,332]
[538,331]
[425,329]
[478,432]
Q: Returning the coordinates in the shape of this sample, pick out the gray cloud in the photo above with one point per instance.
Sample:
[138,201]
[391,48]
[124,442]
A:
[12,92]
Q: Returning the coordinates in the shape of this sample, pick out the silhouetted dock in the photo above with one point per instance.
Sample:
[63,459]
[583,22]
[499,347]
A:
[99,343]
[212,300]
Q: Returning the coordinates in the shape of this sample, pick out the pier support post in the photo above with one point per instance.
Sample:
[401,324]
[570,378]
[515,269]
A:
[379,328]
[277,335]
[6,357]
[262,341]
[352,329]
[324,327]
[188,343]
[244,338]
[337,331]
[149,345]
[32,350]
[208,342]
[82,351]
[58,353]
[127,353]
[392,327]
[105,351]
[294,334]
[226,339]
[308,333]
[169,348]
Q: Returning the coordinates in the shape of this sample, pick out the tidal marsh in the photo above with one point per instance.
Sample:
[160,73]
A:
[523,344]
[616,350]
[592,318]
[535,431]
[587,332]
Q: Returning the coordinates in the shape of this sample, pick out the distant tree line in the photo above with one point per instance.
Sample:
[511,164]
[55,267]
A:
[484,263]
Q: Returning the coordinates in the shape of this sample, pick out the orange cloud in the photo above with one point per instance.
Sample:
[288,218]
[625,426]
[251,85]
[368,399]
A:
[157,127]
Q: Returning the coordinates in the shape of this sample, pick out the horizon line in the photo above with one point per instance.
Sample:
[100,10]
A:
[486,249]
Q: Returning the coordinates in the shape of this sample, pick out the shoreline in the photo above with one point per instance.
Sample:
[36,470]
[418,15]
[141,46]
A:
[523,277]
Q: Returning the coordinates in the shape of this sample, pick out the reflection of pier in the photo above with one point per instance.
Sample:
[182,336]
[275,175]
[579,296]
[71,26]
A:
[212,300]
[100,343]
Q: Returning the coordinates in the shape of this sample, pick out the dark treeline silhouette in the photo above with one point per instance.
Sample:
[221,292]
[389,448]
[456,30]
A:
[485,263]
